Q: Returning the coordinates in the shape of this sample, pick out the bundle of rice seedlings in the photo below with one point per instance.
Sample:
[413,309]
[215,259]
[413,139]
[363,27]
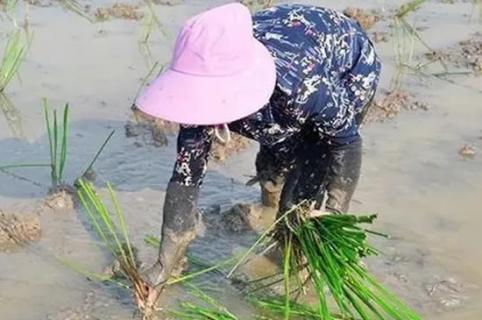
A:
[112,229]
[328,249]
[276,306]
[12,57]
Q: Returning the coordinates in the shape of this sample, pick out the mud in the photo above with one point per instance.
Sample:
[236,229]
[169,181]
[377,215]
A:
[61,198]
[467,152]
[119,11]
[389,104]
[439,292]
[150,131]
[221,152]
[365,18]
[18,230]
[465,56]
[412,173]
[86,309]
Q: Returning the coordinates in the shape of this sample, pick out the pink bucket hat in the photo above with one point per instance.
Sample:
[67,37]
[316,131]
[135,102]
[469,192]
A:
[219,72]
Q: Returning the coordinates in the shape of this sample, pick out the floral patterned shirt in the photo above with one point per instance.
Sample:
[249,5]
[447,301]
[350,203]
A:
[327,70]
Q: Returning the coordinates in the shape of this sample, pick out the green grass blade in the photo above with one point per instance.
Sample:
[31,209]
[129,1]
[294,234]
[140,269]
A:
[24,165]
[260,239]
[51,140]
[56,143]
[98,153]
[12,58]
[286,275]
[63,149]
[122,223]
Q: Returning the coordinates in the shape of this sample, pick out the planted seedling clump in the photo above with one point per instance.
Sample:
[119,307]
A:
[61,195]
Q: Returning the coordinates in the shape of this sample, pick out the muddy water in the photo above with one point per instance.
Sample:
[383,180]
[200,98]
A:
[427,195]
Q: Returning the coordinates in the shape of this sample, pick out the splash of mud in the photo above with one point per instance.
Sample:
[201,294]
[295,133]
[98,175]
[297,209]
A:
[16,231]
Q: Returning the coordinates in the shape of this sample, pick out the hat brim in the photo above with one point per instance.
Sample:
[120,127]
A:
[200,100]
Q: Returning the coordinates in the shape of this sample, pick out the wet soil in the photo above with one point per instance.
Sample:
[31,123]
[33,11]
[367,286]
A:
[119,11]
[465,56]
[365,18]
[467,152]
[388,104]
[61,198]
[147,130]
[18,230]
[412,172]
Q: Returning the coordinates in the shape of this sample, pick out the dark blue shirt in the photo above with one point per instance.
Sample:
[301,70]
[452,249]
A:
[327,70]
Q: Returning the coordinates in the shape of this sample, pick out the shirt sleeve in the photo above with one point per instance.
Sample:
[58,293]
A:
[193,146]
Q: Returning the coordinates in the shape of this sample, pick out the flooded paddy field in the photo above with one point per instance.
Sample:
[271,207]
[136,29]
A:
[422,166]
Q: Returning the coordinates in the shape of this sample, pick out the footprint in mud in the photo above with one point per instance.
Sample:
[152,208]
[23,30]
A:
[17,231]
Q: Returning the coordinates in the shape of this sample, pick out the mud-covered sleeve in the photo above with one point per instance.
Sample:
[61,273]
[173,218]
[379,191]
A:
[193,146]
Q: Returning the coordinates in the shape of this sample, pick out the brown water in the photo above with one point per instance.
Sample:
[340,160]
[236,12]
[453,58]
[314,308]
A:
[427,196]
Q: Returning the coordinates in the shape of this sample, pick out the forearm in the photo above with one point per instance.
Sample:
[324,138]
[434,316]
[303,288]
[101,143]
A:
[180,207]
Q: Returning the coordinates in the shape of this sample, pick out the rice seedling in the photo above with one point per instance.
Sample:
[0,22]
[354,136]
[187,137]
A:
[97,154]
[12,57]
[151,22]
[12,115]
[330,248]
[211,310]
[477,9]
[255,5]
[206,266]
[406,39]
[57,144]
[76,7]
[276,306]
[111,227]
[9,7]
[58,138]
[155,69]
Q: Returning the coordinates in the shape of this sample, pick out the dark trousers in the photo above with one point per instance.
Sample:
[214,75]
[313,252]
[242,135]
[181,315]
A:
[311,169]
